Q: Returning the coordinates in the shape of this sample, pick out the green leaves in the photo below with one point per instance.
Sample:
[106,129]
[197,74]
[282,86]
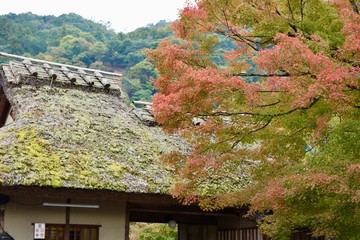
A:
[154,231]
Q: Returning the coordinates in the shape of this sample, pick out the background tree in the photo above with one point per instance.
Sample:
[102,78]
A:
[72,39]
[153,231]
[138,81]
[283,112]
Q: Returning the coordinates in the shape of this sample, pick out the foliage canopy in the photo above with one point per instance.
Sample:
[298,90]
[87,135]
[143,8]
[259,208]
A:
[287,101]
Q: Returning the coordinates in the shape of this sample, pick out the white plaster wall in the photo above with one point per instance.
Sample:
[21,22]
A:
[21,213]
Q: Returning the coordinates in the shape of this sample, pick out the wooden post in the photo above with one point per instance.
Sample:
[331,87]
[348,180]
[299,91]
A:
[127,221]
[2,213]
[67,222]
[4,199]
[238,230]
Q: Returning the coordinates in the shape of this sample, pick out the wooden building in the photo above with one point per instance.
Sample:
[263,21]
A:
[77,163]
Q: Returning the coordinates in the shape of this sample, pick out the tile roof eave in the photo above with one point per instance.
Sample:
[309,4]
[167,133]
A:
[42,69]
[58,64]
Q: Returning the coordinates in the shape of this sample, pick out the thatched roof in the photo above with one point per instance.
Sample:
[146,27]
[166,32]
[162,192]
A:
[72,129]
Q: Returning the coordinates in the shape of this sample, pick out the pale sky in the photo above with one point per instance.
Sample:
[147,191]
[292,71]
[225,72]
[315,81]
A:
[124,15]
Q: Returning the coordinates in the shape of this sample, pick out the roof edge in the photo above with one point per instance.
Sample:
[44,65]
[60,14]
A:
[58,64]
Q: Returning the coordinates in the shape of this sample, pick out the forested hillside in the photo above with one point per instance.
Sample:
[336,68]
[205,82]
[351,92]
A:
[72,39]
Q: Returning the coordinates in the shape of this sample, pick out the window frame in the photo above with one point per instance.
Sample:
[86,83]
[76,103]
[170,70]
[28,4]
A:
[59,226]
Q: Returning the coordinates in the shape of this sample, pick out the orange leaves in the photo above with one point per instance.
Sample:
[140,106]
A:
[279,194]
[166,106]
[190,16]
[169,59]
[185,87]
[196,166]
[354,178]
[351,48]
[321,202]
[322,124]
[193,92]
[271,198]
[278,83]
[287,55]
[310,75]
[251,91]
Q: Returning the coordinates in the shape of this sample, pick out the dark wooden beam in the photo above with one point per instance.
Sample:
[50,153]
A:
[64,193]
[154,217]
[183,210]
[4,107]
[2,222]
[127,222]
[67,221]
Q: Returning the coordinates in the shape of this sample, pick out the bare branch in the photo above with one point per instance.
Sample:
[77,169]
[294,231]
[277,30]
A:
[261,75]
[253,131]
[234,34]
[291,11]
[226,114]
[354,5]
[315,100]
[282,74]
[270,104]
[302,9]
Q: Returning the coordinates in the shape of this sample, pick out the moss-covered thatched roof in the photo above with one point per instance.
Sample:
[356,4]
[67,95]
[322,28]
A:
[75,134]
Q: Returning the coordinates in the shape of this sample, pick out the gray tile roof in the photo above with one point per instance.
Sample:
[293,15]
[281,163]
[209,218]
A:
[17,71]
[144,113]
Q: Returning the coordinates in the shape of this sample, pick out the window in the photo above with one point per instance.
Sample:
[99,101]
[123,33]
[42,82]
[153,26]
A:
[76,232]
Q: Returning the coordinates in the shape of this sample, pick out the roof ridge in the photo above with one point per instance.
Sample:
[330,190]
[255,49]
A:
[41,69]
[57,64]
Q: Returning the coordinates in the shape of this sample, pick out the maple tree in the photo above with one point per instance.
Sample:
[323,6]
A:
[284,112]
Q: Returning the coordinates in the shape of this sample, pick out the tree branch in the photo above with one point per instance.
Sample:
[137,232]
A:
[270,104]
[282,74]
[302,2]
[285,74]
[234,33]
[252,131]
[354,6]
[269,117]
[315,100]
[291,11]
[226,114]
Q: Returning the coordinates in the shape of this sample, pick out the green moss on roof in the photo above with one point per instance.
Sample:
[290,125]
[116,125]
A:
[81,139]
[79,136]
